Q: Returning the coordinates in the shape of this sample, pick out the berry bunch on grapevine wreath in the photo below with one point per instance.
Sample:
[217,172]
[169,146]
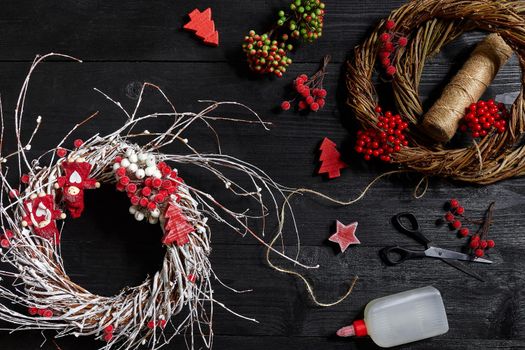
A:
[268,53]
[51,192]
[419,140]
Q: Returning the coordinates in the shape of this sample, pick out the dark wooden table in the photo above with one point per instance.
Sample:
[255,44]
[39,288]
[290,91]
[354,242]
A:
[124,43]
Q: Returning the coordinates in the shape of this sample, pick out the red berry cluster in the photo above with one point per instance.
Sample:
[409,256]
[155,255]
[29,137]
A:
[389,42]
[387,139]
[151,192]
[161,323]
[309,90]
[33,311]
[482,117]
[108,333]
[5,239]
[477,245]
[265,55]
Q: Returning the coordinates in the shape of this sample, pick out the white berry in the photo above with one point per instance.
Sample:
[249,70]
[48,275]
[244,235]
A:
[133,158]
[150,170]
[124,162]
[140,173]
[139,216]
[155,213]
[150,161]
[153,220]
[116,166]
[142,156]
[132,210]
[133,167]
[129,152]
[157,174]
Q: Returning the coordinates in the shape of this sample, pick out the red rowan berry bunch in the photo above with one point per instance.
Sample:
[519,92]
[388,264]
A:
[309,90]
[482,117]
[387,139]
[5,239]
[478,242]
[389,42]
[149,184]
[267,53]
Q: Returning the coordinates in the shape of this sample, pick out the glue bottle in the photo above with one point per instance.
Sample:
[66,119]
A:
[401,318]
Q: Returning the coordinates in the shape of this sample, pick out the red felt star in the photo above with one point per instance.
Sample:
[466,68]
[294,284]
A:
[345,235]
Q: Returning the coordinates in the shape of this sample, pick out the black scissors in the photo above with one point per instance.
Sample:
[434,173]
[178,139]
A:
[394,255]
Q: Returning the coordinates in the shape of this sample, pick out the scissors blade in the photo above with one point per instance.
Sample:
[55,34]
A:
[461,267]
[441,253]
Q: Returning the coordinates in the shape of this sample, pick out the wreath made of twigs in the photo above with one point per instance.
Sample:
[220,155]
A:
[430,25]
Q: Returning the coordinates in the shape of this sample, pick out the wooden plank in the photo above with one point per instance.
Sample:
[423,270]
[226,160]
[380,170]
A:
[132,30]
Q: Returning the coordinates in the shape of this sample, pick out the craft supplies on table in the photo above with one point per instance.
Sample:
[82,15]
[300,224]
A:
[393,255]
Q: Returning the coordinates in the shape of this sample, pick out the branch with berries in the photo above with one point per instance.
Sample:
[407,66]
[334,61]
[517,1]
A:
[268,53]
[309,91]
[456,218]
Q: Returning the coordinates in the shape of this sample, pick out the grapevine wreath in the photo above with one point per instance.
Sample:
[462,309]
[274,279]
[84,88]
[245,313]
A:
[43,297]
[422,28]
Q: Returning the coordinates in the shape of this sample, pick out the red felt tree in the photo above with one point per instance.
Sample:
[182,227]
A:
[330,159]
[203,26]
[176,228]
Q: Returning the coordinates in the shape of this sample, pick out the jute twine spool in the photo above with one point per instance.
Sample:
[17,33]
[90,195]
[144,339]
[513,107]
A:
[429,26]
[467,86]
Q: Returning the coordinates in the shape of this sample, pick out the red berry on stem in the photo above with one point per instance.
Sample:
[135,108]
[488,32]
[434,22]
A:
[403,41]
[491,243]
[391,70]
[460,210]
[384,37]
[478,253]
[61,152]
[463,232]
[390,24]
[32,311]
[449,217]
[151,324]
[456,224]
[77,143]
[483,244]
[24,179]
[285,105]
[454,203]
[109,329]
[314,106]
[108,337]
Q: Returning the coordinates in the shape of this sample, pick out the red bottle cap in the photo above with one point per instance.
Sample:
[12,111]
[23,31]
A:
[360,328]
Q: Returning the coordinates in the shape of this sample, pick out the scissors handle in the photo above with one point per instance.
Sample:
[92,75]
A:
[413,231]
[394,255]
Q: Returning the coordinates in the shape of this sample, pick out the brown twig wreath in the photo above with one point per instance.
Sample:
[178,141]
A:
[430,25]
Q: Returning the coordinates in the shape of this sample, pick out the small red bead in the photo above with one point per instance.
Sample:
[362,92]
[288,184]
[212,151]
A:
[78,142]
[403,41]
[108,337]
[483,244]
[384,37]
[152,206]
[151,324]
[391,70]
[109,329]
[285,105]
[456,224]
[390,24]
[4,243]
[121,172]
[124,180]
[378,109]
[454,203]
[464,232]
[131,188]
[61,152]
[47,313]
[314,106]
[479,253]
[162,324]
[146,191]
[449,217]
[32,311]
[166,170]
[135,200]
[24,179]
[143,202]
[460,210]
[491,243]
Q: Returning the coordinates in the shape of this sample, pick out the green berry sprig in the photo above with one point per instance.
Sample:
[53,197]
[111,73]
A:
[306,20]
[268,52]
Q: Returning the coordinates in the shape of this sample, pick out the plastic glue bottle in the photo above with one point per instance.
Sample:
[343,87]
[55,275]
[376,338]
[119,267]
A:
[401,318]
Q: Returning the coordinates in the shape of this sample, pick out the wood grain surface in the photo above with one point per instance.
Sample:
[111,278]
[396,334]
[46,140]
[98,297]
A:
[125,43]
